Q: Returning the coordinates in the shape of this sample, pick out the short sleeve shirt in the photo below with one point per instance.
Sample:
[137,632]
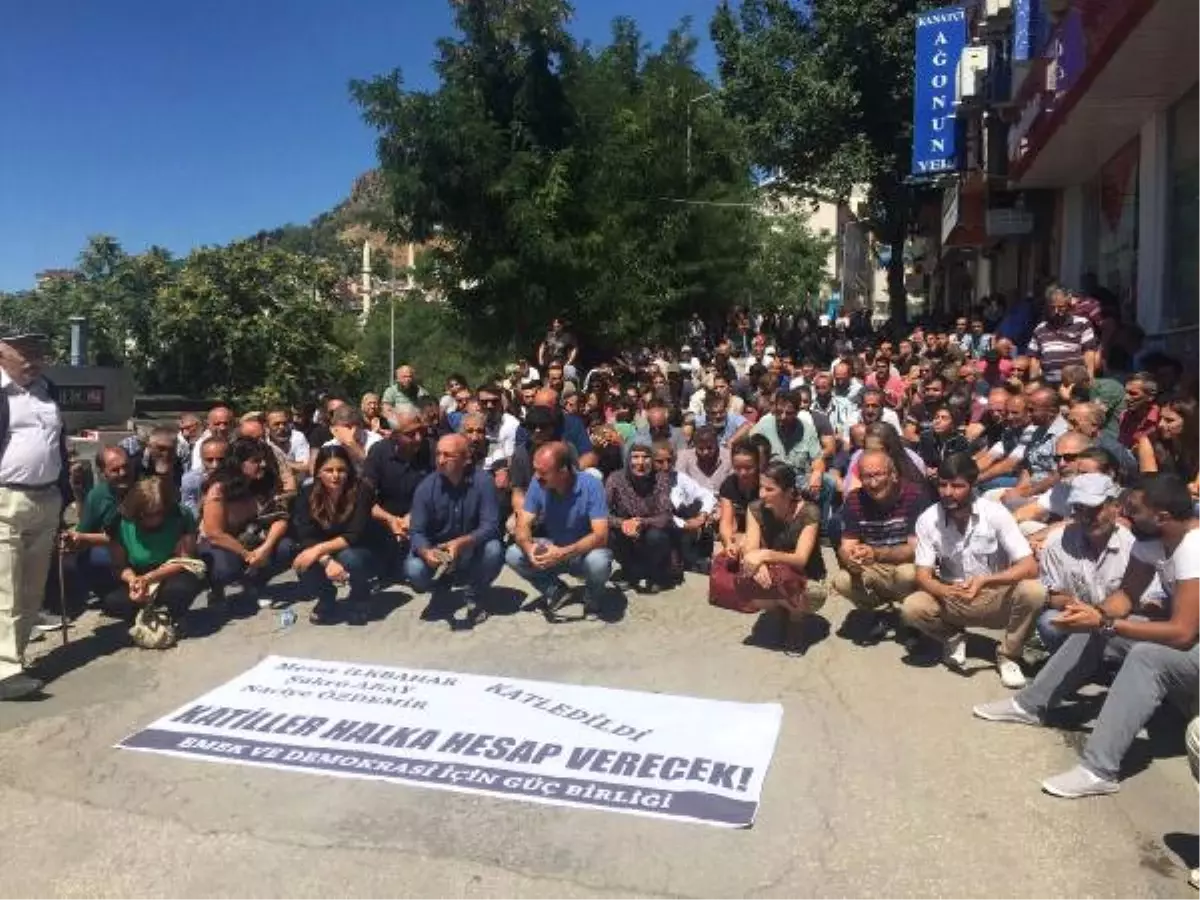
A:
[99,510]
[147,550]
[991,543]
[864,519]
[783,536]
[567,518]
[1182,565]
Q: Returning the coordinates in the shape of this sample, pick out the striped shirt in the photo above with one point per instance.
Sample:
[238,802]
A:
[863,519]
[1063,345]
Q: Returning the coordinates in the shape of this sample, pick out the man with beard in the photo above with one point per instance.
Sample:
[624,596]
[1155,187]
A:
[845,384]
[1085,560]
[1160,653]
[502,427]
[1061,340]
[839,410]
[706,462]
[990,427]
[920,415]
[403,394]
[974,567]
[1051,505]
[874,409]
[101,511]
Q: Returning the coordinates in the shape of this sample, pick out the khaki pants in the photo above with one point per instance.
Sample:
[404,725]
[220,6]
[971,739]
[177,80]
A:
[28,526]
[877,584]
[1013,608]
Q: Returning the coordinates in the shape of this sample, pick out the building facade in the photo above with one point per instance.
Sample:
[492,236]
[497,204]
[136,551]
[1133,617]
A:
[1077,160]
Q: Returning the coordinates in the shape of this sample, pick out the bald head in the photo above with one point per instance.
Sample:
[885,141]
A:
[546,397]
[220,421]
[878,474]
[453,457]
[252,429]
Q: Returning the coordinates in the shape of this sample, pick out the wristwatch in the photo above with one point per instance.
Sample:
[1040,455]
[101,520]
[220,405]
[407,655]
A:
[325,560]
[1108,625]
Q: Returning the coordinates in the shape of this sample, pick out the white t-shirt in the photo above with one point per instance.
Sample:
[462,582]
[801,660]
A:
[1054,501]
[1182,565]
[991,543]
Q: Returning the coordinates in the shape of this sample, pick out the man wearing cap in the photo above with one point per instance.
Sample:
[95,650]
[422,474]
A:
[33,492]
[1084,561]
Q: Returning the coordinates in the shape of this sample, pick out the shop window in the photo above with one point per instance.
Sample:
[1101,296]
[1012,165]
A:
[1183,208]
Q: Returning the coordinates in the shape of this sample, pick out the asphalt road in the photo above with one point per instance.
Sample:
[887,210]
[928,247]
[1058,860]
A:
[882,783]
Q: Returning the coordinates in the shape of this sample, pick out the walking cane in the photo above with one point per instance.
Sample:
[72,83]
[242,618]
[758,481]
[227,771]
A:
[62,597]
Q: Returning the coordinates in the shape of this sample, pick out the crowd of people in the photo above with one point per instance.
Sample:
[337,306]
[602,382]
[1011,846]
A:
[1035,474]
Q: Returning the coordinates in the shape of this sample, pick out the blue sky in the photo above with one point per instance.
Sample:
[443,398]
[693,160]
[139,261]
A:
[187,123]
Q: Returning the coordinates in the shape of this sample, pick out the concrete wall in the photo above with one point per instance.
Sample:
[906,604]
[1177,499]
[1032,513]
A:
[91,396]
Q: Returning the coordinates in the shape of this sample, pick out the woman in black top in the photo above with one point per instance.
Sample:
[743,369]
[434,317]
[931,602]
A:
[737,492]
[1173,447]
[329,523]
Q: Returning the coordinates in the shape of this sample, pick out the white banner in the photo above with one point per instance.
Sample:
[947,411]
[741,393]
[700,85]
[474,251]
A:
[563,744]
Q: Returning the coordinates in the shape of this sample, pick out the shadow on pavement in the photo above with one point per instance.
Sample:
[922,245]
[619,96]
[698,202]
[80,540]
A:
[104,641]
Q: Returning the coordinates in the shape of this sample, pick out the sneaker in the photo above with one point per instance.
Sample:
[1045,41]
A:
[470,597]
[555,598]
[1006,710]
[20,685]
[876,633]
[1011,675]
[47,623]
[954,653]
[1079,782]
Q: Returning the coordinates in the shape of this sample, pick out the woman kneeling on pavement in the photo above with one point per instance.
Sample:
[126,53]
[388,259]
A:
[639,516]
[737,492]
[153,550]
[243,531]
[329,522]
[780,568]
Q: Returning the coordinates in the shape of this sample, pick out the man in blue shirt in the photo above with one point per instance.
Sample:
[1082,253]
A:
[569,510]
[454,526]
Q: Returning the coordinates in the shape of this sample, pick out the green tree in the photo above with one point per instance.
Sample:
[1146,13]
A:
[552,177]
[824,91]
[789,266]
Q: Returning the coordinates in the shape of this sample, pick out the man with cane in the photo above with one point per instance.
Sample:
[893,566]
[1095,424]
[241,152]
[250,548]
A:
[34,487]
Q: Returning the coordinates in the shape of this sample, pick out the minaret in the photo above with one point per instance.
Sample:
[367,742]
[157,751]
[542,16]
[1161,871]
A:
[366,280]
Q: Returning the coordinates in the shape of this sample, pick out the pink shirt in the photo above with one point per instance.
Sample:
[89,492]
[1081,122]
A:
[894,388]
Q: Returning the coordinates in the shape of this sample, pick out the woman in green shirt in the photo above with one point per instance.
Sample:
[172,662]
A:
[153,547]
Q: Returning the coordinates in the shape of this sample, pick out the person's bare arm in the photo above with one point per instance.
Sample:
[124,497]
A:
[1147,461]
[213,513]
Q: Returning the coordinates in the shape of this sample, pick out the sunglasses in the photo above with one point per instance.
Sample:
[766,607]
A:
[1066,457]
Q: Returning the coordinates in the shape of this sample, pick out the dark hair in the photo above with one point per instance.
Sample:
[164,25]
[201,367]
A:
[346,415]
[760,443]
[886,434]
[234,483]
[706,433]
[1167,492]
[1108,462]
[958,465]
[1182,453]
[325,509]
[745,447]
[782,474]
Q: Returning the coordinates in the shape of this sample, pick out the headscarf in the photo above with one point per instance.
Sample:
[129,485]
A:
[646,497]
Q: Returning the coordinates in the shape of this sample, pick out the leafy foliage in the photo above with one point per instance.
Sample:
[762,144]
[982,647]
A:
[824,91]
[555,178]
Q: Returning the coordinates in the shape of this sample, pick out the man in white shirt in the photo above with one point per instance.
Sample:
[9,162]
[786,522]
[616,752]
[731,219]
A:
[1160,655]
[32,471]
[350,431]
[501,426]
[220,424]
[1086,560]
[290,442]
[974,567]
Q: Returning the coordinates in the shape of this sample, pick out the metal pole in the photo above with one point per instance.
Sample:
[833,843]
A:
[392,349]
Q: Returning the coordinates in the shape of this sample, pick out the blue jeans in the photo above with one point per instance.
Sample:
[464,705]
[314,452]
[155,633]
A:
[593,567]
[226,568]
[1049,633]
[359,565]
[478,566]
[94,569]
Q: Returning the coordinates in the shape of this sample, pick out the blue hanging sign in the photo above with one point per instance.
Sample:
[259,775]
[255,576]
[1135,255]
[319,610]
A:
[941,36]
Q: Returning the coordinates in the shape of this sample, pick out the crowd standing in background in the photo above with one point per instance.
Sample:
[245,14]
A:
[1031,473]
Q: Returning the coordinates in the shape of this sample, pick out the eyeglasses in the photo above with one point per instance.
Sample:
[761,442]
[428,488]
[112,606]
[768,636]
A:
[489,401]
[1066,457]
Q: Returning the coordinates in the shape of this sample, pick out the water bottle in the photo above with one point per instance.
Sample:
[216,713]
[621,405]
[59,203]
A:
[287,618]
